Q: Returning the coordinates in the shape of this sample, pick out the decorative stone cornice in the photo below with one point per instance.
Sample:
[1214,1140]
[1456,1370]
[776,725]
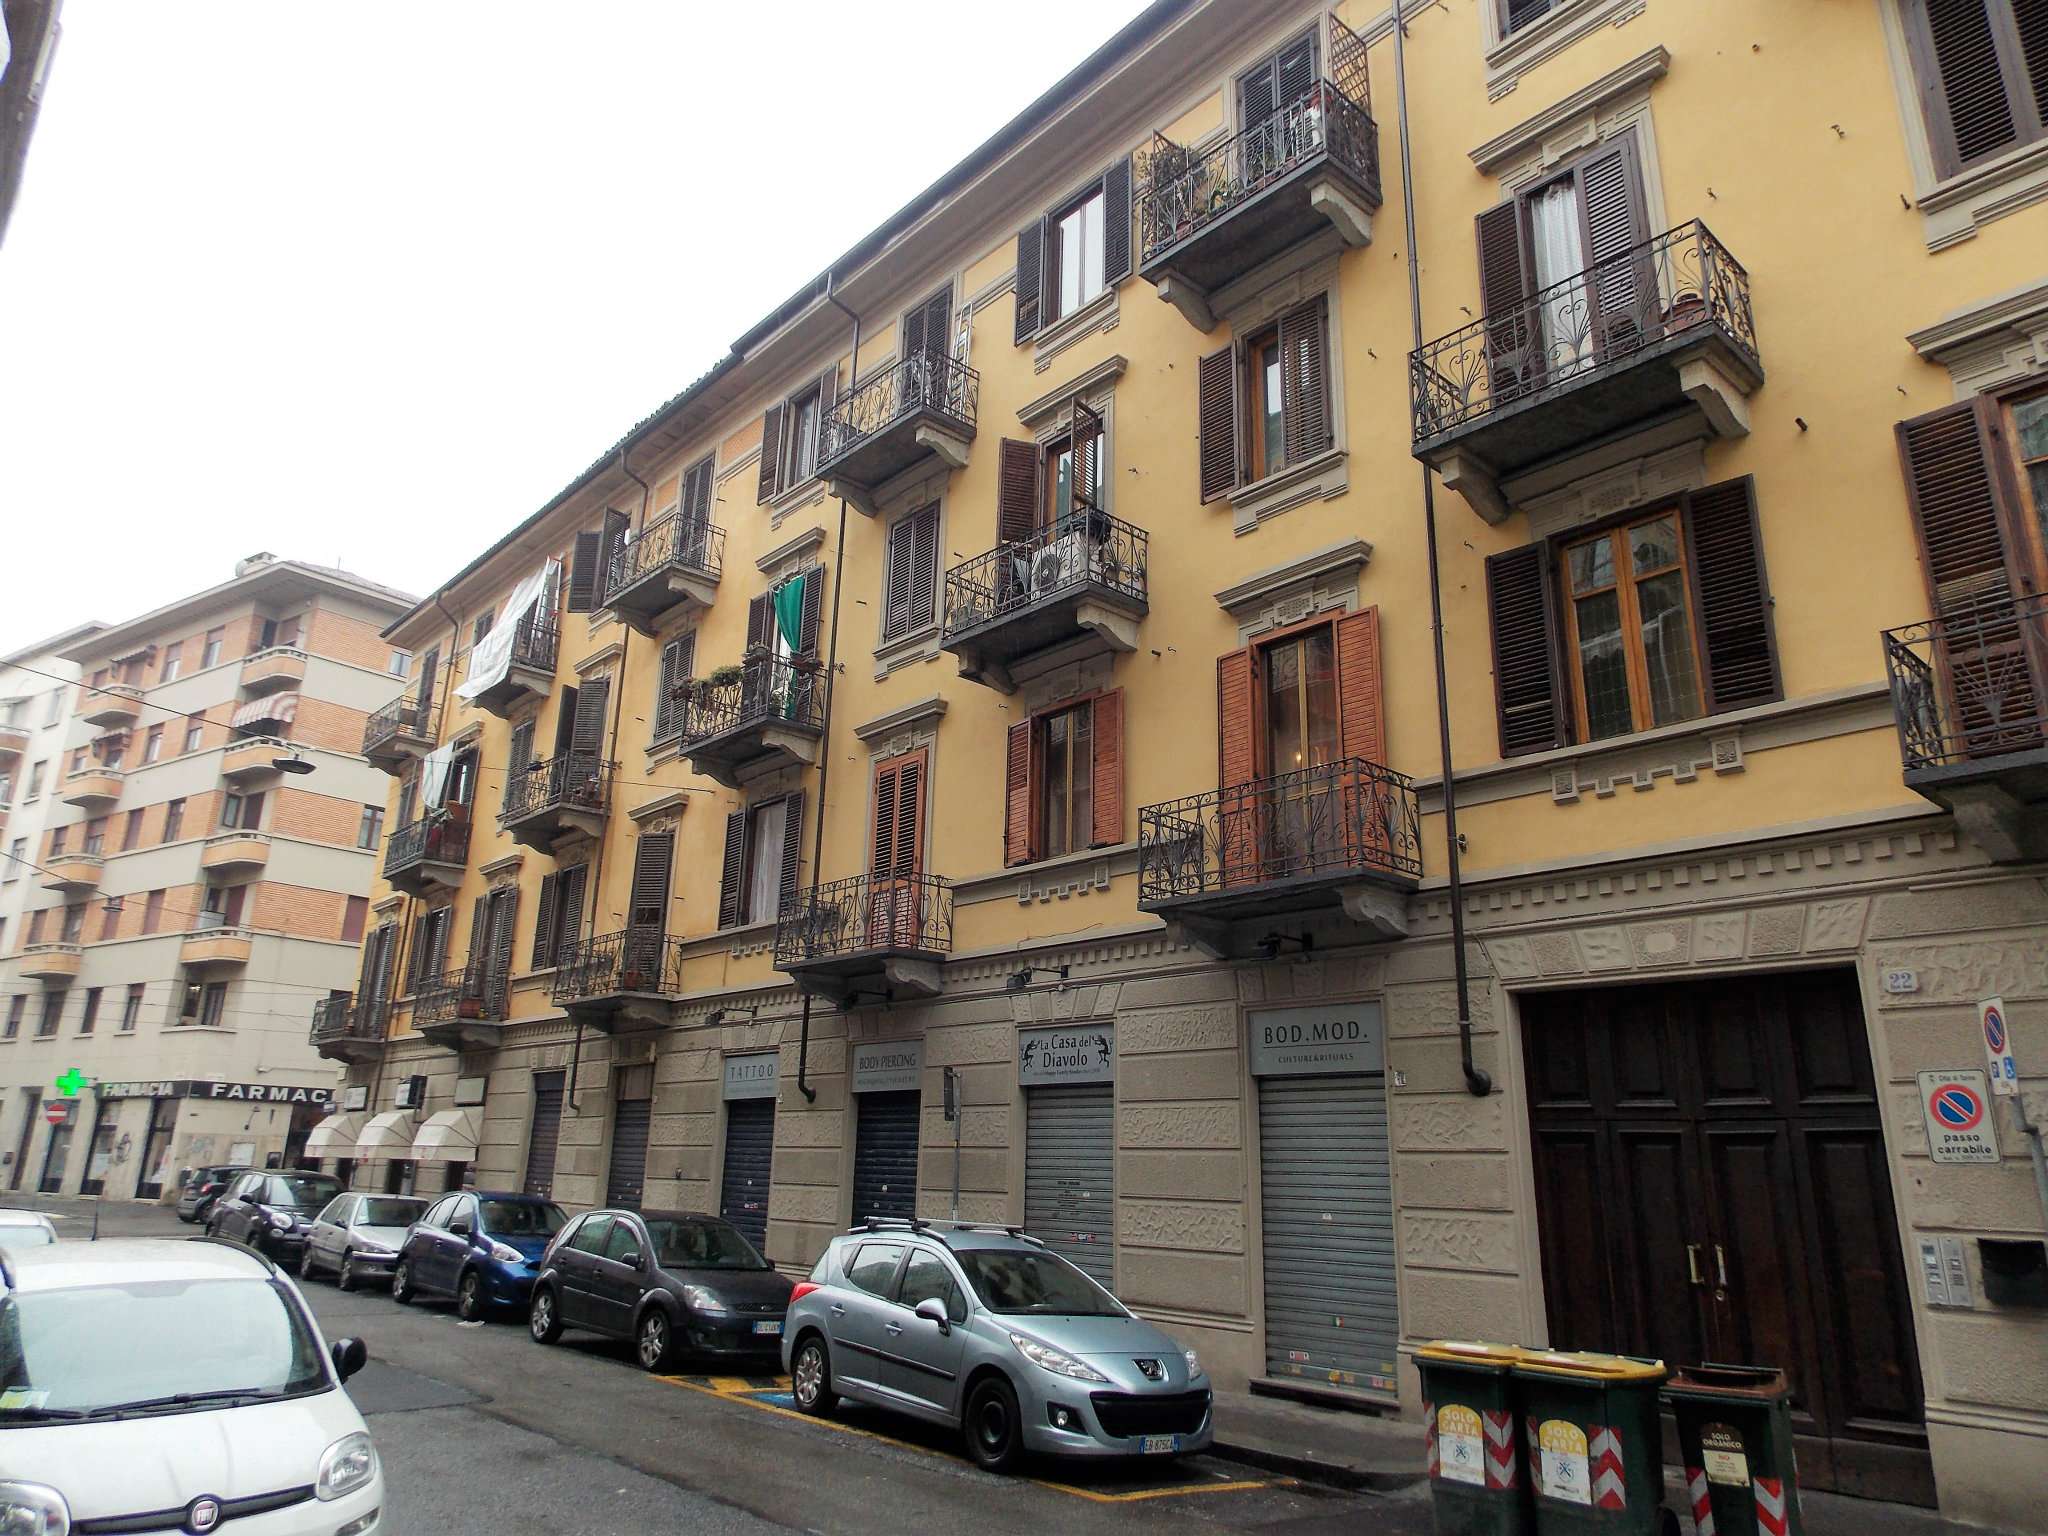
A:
[1530,133]
[808,542]
[926,713]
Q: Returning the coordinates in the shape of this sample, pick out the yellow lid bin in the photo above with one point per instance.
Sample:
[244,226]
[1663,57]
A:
[1477,1482]
[1592,1442]
[1470,1350]
[1592,1366]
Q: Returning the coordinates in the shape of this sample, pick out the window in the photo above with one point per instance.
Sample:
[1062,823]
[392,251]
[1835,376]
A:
[110,918]
[243,812]
[153,744]
[678,657]
[1061,495]
[96,835]
[430,947]
[36,774]
[15,713]
[482,626]
[152,911]
[131,831]
[399,664]
[56,710]
[590,1235]
[35,924]
[60,841]
[1517,14]
[3,933]
[174,820]
[763,846]
[195,735]
[354,913]
[1077,252]
[111,750]
[74,923]
[202,1003]
[1983,75]
[800,444]
[17,856]
[1630,629]
[92,1010]
[174,655]
[370,830]
[790,435]
[1063,788]
[131,1007]
[17,1005]
[211,655]
[53,1009]
[928,1278]
[874,1267]
[1265,405]
[1066,781]
[910,576]
[561,913]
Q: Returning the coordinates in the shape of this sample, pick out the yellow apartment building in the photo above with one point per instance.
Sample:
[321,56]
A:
[1008,676]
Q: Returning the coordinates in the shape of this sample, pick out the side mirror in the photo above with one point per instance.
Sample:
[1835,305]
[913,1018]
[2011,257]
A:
[933,1310]
[630,1258]
[350,1356]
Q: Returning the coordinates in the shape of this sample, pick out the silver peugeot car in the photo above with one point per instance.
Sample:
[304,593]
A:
[984,1328]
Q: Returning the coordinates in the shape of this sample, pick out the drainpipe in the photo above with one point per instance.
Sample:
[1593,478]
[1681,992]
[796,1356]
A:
[1477,1082]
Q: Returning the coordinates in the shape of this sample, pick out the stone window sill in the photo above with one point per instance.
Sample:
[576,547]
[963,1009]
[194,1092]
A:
[1098,314]
[921,644]
[1322,478]
[1514,56]
[1957,205]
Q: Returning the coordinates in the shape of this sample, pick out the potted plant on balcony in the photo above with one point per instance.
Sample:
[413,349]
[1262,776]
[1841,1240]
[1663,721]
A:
[726,677]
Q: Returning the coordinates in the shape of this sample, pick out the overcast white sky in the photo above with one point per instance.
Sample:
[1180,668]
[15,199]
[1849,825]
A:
[365,283]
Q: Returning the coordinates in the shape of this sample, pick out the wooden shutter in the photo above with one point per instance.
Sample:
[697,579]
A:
[1980,90]
[1107,729]
[760,620]
[518,758]
[1258,95]
[443,935]
[813,611]
[1017,794]
[1360,706]
[479,930]
[924,566]
[1216,416]
[583,573]
[677,657]
[828,396]
[927,329]
[586,736]
[771,453]
[898,844]
[1305,381]
[1084,481]
[504,911]
[792,847]
[430,663]
[1236,716]
[896,577]
[544,922]
[1016,491]
[1527,680]
[1732,596]
[695,500]
[653,856]
[1503,290]
[1116,222]
[734,873]
[1626,300]
[912,342]
[610,539]
[569,913]
[1296,70]
[1030,264]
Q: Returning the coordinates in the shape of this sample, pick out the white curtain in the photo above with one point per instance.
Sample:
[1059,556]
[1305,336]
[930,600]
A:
[1554,232]
[491,657]
[764,888]
[434,774]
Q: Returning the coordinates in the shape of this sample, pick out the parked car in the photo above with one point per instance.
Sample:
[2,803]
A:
[483,1247]
[986,1329]
[205,1186]
[671,1281]
[271,1210]
[147,1385]
[25,1229]
[357,1237]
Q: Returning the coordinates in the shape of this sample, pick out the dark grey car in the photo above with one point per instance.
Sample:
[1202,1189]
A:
[357,1237]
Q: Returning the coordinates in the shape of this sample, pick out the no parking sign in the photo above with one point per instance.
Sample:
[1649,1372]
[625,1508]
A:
[1958,1114]
[2005,1072]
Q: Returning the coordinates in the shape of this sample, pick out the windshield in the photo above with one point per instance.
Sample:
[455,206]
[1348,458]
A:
[522,1218]
[1034,1282]
[699,1243]
[389,1212]
[300,1191]
[97,1349]
[28,1235]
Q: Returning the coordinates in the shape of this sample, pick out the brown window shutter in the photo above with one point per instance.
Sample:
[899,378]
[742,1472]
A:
[1116,222]
[1360,704]
[1236,711]
[504,916]
[1084,484]
[654,854]
[569,919]
[695,501]
[583,573]
[1527,680]
[813,611]
[1503,288]
[771,453]
[1030,262]
[611,539]
[896,578]
[544,922]
[1217,414]
[1108,733]
[586,736]
[924,567]
[1016,491]
[1305,381]
[927,329]
[828,396]
[910,814]
[792,848]
[1977,101]
[1732,595]
[1626,300]
[734,871]
[677,658]
[882,847]
[479,926]
[519,756]
[1017,795]
[912,342]
[760,620]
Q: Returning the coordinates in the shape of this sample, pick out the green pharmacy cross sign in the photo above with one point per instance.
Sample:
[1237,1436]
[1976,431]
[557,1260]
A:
[72,1083]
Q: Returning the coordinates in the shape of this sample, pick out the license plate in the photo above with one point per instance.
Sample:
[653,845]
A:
[770,1328]
[1160,1445]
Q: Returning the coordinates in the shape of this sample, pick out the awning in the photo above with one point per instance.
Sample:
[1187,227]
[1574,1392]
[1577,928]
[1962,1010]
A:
[448,1137]
[335,1136]
[281,707]
[389,1135]
[491,657]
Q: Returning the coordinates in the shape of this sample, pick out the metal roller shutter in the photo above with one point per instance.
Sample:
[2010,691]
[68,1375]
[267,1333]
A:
[546,1131]
[627,1176]
[1070,1174]
[1327,1206]
[749,1152]
[885,1155]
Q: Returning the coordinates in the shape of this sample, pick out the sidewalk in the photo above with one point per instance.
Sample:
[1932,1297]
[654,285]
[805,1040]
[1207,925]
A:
[74,1214]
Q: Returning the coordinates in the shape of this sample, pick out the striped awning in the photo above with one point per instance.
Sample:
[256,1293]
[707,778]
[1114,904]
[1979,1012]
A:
[283,708]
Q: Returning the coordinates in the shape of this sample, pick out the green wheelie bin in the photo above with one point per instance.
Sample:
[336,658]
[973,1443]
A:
[1595,1449]
[1476,1480]
[1735,1428]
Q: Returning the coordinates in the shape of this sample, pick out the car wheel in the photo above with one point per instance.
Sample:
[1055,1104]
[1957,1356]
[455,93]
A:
[469,1297]
[542,1320]
[994,1430]
[345,1277]
[401,1283]
[810,1377]
[653,1340]
[306,1262]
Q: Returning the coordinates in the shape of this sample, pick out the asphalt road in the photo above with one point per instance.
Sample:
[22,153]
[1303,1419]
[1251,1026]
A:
[484,1431]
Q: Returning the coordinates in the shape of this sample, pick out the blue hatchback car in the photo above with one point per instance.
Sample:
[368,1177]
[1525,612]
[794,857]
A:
[483,1247]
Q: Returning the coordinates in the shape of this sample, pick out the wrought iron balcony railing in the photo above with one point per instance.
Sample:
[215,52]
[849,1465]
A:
[338,1021]
[632,960]
[1973,684]
[407,715]
[572,781]
[1347,819]
[1682,283]
[903,913]
[1086,549]
[675,541]
[536,643]
[436,837]
[923,382]
[1185,191]
[768,690]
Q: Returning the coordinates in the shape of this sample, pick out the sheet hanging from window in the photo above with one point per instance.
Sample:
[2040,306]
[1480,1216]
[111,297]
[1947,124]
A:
[764,873]
[434,775]
[1560,258]
[491,657]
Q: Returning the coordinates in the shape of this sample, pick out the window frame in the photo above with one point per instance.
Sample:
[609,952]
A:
[211,648]
[1615,530]
[174,819]
[173,661]
[1055,246]
[370,828]
[751,852]
[920,611]
[131,1008]
[1079,835]
[2029,115]
[797,446]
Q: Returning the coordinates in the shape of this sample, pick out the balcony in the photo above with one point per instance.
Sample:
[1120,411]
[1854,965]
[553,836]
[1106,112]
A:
[213,944]
[1082,580]
[50,962]
[873,938]
[1640,353]
[400,733]
[670,570]
[13,740]
[113,706]
[1970,695]
[1344,835]
[922,407]
[252,758]
[428,854]
[235,850]
[93,788]
[620,979]
[1207,219]
[461,1009]
[73,872]
[752,719]
[548,801]
[529,669]
[343,1032]
[282,666]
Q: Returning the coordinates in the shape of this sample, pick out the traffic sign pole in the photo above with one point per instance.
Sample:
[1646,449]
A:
[1996,1025]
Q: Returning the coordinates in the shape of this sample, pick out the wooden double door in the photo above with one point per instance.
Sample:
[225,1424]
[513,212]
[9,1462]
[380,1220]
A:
[1712,1184]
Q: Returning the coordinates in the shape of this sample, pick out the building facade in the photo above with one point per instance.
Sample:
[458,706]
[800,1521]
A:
[192,849]
[1007,678]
